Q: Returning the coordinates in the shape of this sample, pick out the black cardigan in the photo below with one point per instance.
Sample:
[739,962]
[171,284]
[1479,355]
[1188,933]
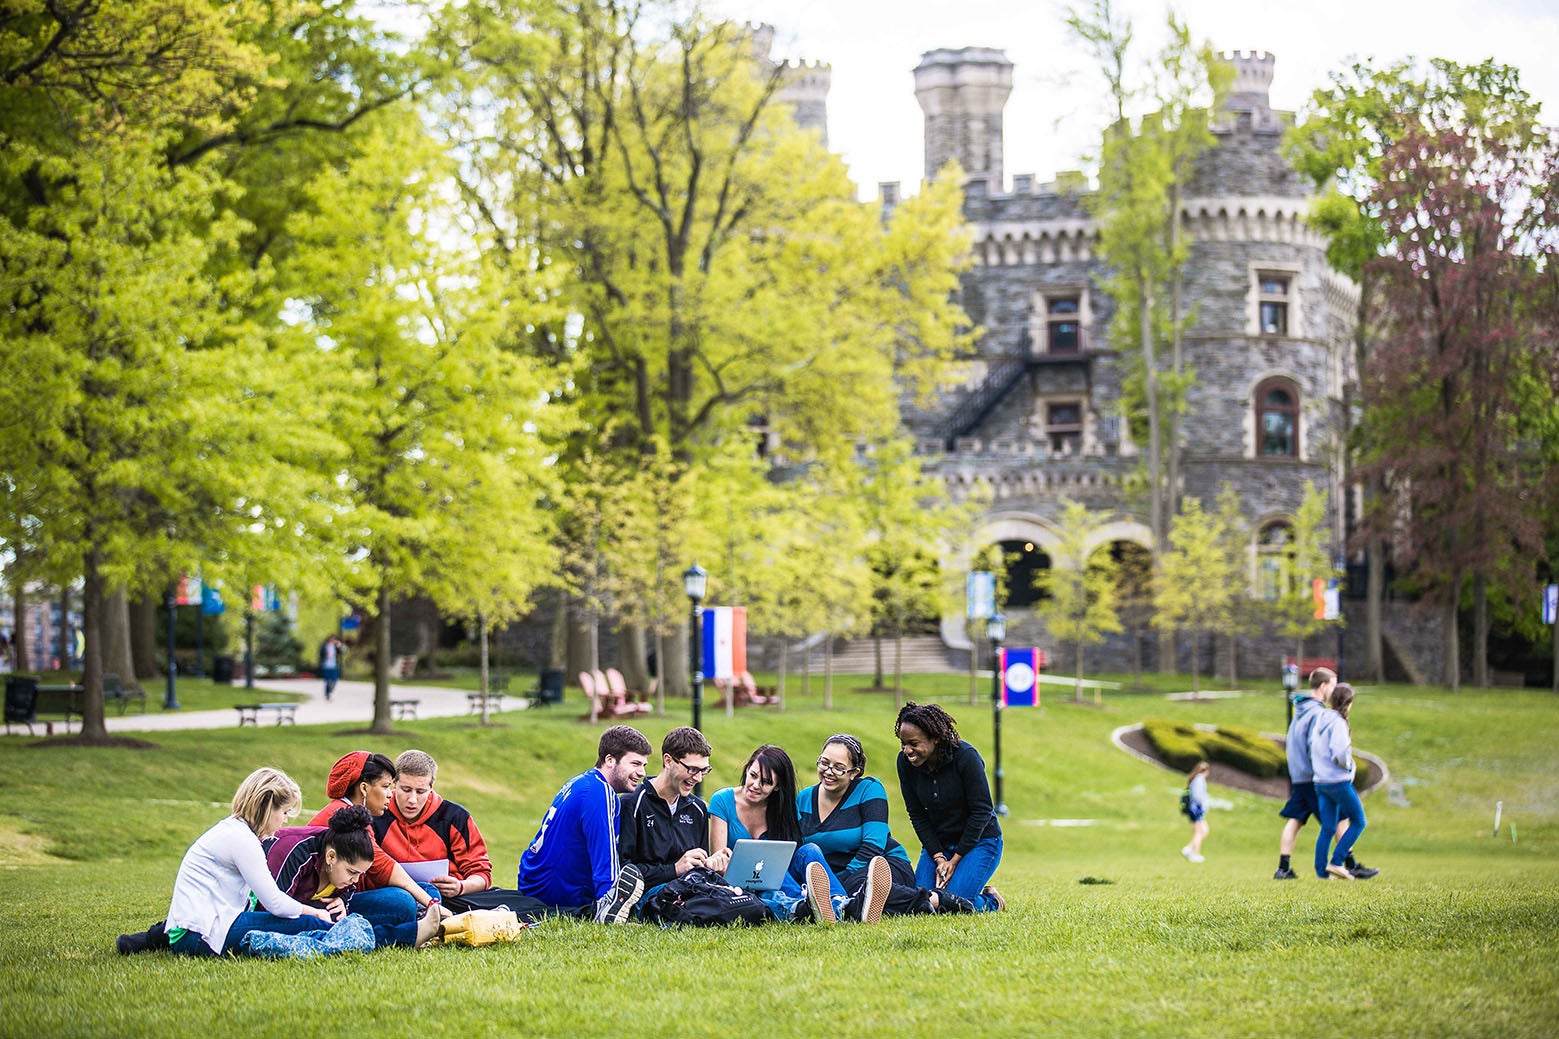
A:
[950,808]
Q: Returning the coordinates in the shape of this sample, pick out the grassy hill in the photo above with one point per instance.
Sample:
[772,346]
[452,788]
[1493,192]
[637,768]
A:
[1454,938]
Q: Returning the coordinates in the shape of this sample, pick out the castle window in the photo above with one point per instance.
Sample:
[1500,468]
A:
[1277,419]
[1272,303]
[1064,330]
[1274,560]
[1064,427]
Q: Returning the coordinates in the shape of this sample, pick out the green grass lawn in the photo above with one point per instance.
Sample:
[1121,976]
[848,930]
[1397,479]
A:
[1456,937]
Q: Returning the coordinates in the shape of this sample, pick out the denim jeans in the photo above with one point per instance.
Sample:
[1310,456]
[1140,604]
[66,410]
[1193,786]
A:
[791,893]
[384,906]
[973,873]
[1338,801]
[193,944]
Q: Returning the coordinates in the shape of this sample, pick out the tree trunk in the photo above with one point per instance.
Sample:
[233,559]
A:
[1480,632]
[481,624]
[1077,677]
[662,648]
[898,668]
[675,673]
[382,725]
[19,625]
[93,726]
[1453,652]
[1196,665]
[828,672]
[1375,611]
[784,659]
[635,670]
[1155,451]
[557,650]
[1136,658]
[877,682]
[806,672]
[143,636]
[117,659]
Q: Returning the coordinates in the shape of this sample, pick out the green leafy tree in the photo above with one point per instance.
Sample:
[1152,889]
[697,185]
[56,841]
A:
[1197,581]
[1144,158]
[1349,129]
[1081,588]
[442,466]
[1309,558]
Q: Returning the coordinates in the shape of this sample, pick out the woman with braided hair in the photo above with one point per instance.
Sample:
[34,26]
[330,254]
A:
[942,778]
[846,815]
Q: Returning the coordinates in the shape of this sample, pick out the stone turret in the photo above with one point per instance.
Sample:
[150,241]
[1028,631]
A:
[804,87]
[962,93]
[1250,93]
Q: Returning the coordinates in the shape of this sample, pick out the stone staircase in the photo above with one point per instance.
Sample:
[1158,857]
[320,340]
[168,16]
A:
[922,654]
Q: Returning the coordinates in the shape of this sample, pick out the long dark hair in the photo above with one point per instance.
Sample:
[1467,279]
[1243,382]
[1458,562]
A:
[938,726]
[348,835]
[779,812]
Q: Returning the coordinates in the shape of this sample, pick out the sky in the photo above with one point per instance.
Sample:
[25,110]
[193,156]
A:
[1055,112]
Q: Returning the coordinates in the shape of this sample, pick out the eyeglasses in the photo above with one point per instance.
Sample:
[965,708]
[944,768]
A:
[695,771]
[824,765]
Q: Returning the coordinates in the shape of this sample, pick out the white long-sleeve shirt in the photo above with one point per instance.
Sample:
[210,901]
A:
[220,869]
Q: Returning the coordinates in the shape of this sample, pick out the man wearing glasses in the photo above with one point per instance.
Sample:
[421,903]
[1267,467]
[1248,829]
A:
[665,825]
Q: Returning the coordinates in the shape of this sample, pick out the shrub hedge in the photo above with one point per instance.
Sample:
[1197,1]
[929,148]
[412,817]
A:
[1182,746]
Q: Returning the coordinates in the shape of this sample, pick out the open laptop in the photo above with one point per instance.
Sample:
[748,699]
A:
[759,865]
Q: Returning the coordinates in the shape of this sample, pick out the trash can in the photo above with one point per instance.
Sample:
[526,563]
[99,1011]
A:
[549,689]
[222,670]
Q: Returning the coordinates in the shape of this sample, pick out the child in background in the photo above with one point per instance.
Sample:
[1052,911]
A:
[1196,809]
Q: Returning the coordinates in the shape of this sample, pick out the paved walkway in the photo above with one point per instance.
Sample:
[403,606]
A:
[353,703]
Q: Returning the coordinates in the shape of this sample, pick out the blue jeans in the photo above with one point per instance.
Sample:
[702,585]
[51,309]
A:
[969,879]
[193,944]
[384,906]
[1338,801]
[791,893]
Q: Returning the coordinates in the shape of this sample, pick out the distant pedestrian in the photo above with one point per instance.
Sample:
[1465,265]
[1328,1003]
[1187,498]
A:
[330,652]
[1331,757]
[1196,810]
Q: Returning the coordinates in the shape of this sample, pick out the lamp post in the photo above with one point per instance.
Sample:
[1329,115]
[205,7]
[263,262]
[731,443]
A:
[996,630]
[694,582]
[170,702]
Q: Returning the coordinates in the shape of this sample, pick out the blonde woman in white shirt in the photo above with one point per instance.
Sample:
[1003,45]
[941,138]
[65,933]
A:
[210,912]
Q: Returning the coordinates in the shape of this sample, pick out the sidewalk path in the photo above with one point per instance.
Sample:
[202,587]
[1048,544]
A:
[353,703]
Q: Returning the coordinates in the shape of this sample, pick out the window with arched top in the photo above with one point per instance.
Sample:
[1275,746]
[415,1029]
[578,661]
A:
[1277,419]
[1274,559]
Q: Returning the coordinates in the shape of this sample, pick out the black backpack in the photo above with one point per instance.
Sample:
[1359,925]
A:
[1185,804]
[702,898]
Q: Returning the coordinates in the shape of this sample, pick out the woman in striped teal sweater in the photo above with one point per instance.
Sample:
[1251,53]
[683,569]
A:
[846,815]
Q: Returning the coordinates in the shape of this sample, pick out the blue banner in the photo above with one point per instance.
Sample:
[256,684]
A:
[211,603]
[1020,677]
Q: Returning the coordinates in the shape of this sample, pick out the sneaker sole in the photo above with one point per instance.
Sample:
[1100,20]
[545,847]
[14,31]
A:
[1338,872]
[624,898]
[879,880]
[818,895]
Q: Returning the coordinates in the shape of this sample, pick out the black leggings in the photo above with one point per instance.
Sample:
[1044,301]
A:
[904,898]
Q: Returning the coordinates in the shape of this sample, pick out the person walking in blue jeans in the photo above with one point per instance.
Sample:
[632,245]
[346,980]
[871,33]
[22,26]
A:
[942,778]
[1331,756]
[1196,810]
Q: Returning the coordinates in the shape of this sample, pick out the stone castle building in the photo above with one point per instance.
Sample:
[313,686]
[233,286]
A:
[1040,416]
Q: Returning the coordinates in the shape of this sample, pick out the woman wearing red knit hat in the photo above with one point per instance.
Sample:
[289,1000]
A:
[386,894]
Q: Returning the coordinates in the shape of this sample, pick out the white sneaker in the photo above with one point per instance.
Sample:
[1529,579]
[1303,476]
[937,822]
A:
[1190,855]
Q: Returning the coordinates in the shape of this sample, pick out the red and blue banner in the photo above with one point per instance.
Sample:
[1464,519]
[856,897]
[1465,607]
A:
[1020,677]
[725,641]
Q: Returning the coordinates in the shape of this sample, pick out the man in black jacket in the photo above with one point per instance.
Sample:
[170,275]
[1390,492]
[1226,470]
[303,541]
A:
[664,824]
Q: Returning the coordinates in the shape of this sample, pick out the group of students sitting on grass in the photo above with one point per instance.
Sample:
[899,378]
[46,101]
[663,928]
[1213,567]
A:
[611,840]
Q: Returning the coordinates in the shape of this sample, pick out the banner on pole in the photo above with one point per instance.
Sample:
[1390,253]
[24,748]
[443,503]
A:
[263,599]
[1550,603]
[980,590]
[211,603]
[188,593]
[725,641]
[1020,677]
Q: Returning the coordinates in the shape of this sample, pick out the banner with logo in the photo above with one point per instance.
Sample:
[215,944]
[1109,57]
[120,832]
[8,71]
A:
[1020,677]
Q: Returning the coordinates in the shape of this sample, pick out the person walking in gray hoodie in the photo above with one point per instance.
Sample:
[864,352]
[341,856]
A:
[1331,761]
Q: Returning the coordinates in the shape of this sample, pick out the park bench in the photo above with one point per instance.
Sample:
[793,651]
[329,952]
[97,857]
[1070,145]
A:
[249,713]
[114,691]
[494,701]
[1309,664]
[25,699]
[404,709]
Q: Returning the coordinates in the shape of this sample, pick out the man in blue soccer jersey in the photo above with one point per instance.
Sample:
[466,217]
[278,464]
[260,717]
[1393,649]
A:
[572,861]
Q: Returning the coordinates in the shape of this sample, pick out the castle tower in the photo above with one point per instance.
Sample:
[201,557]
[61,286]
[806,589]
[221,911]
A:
[1249,99]
[804,87]
[962,93]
